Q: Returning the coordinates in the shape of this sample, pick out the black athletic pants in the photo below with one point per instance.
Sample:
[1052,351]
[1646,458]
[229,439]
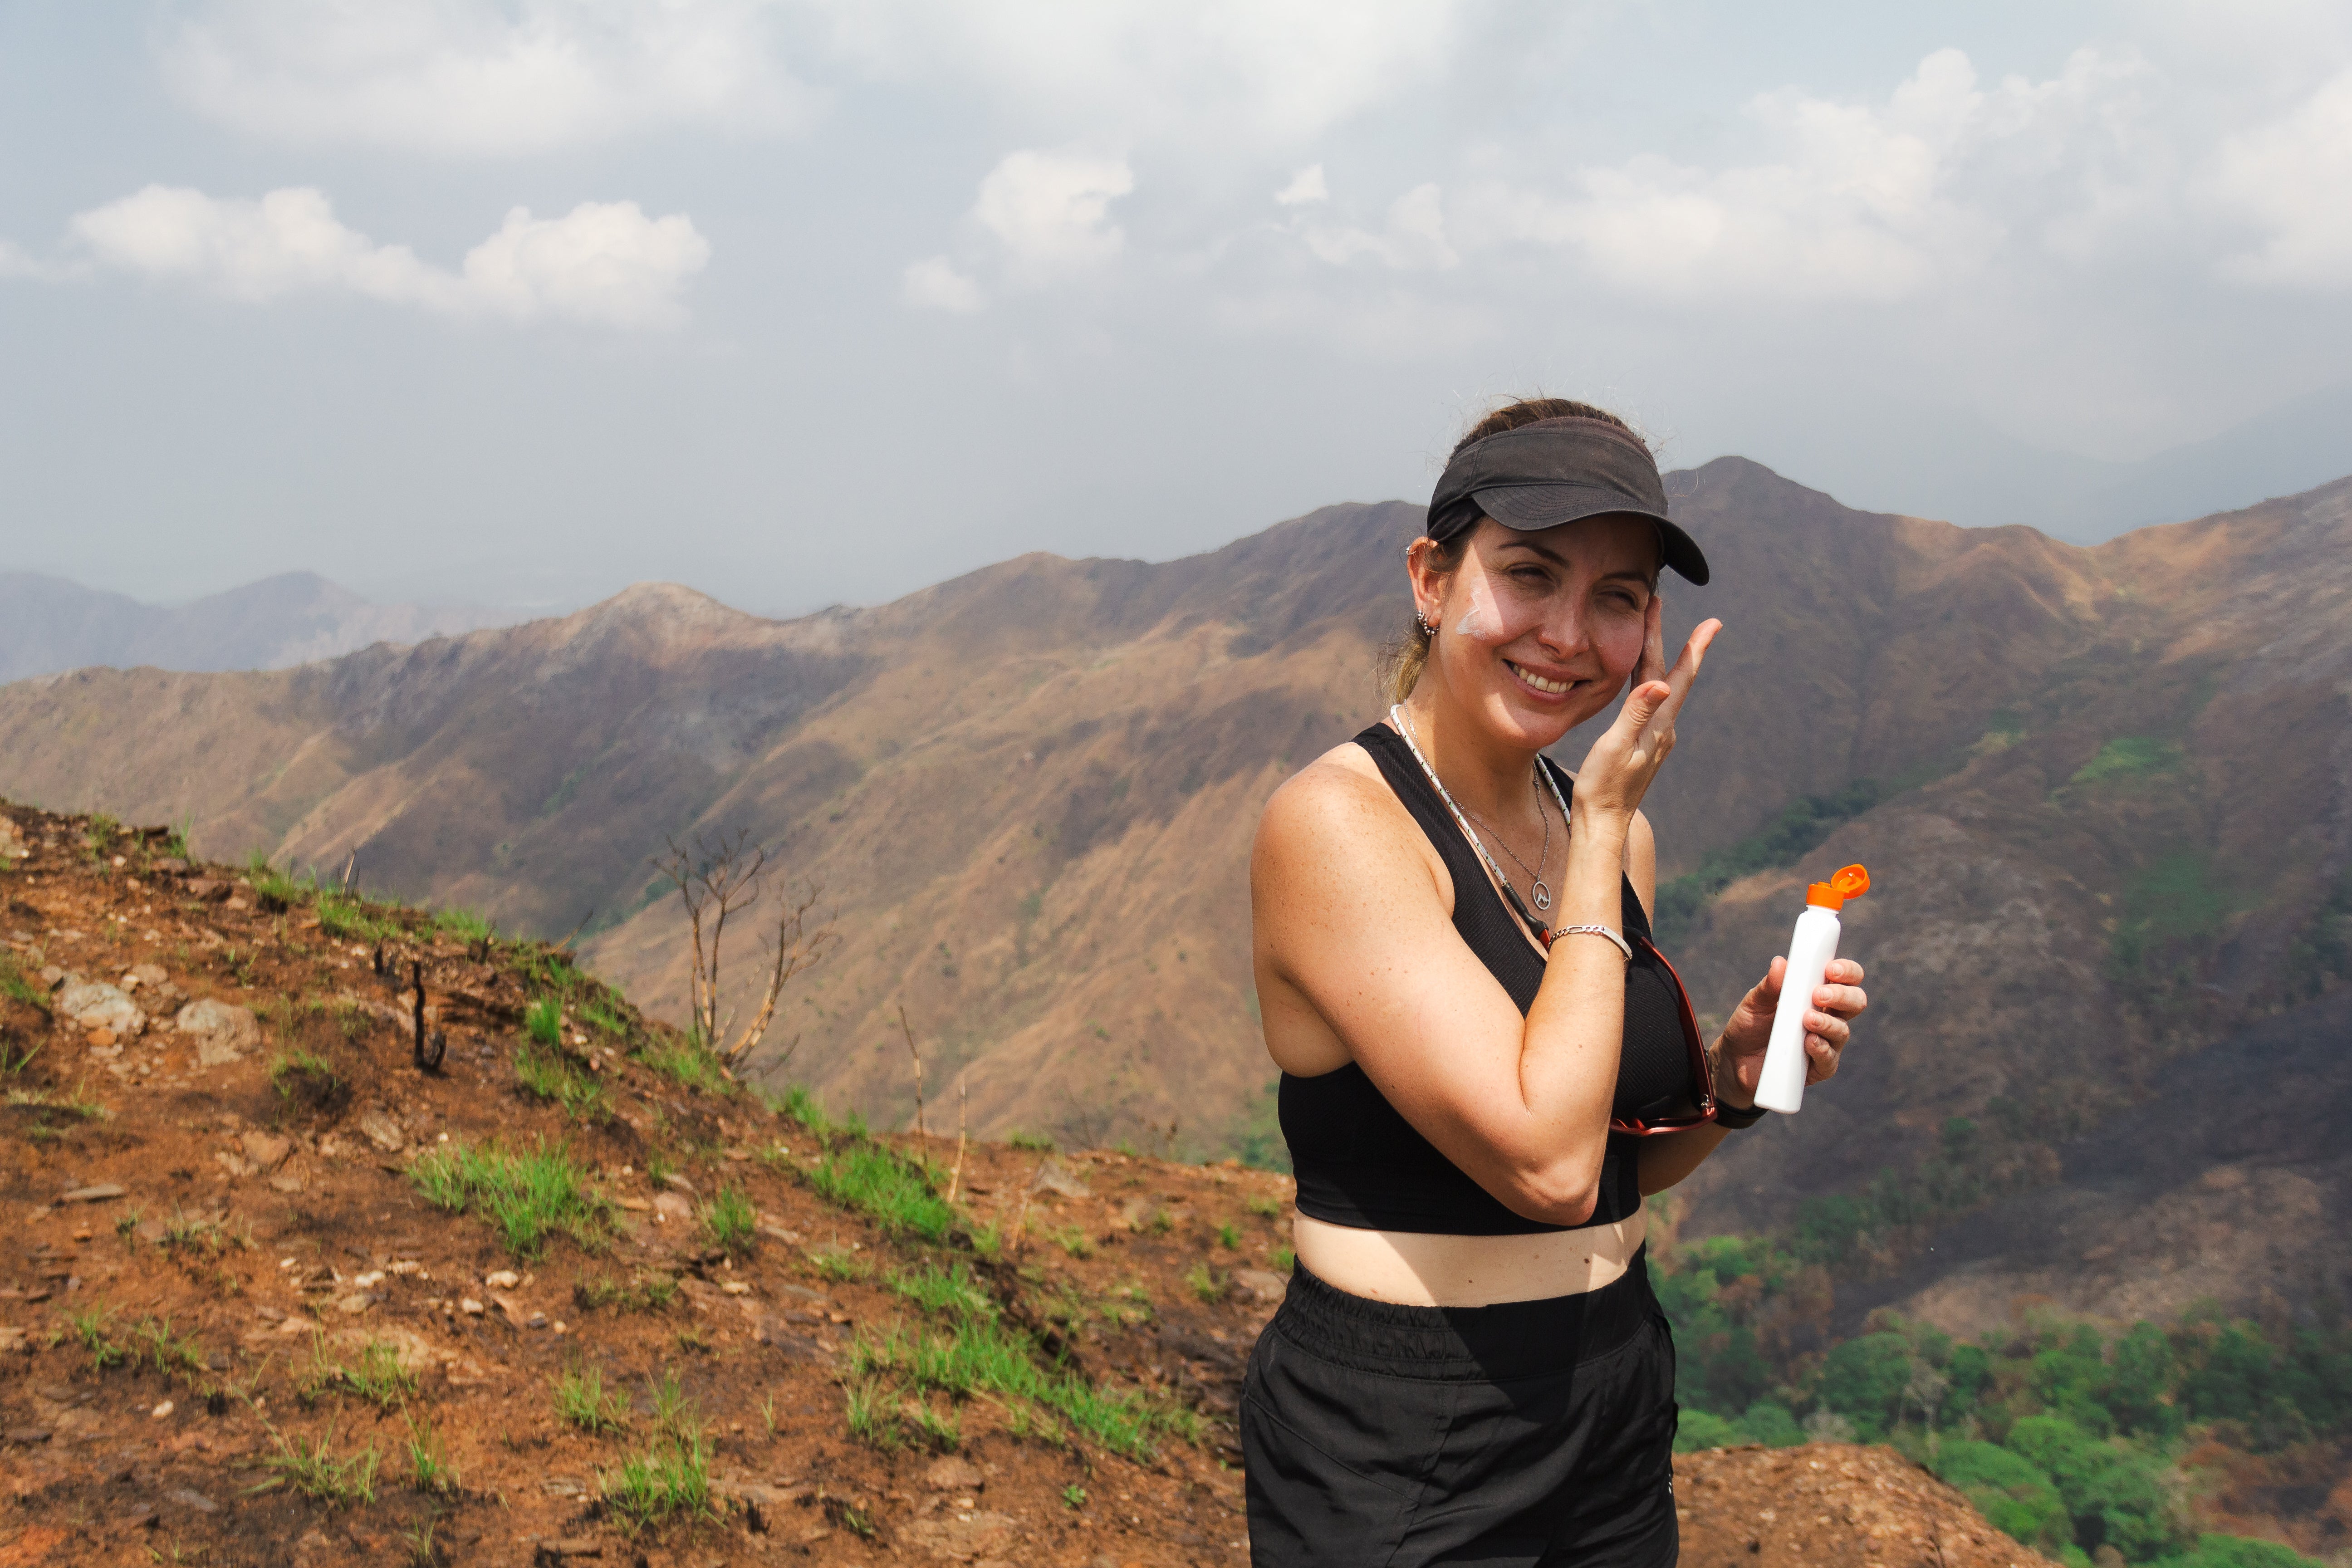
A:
[1534,1432]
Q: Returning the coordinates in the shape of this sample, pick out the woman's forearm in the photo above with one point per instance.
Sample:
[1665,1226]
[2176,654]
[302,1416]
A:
[1665,1160]
[1575,1030]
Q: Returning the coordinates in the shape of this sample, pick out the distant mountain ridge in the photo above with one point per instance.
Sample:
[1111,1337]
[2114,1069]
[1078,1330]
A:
[48,625]
[2105,794]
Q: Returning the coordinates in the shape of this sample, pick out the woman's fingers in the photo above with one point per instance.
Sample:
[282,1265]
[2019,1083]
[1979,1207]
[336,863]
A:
[1654,642]
[1686,671]
[1846,1001]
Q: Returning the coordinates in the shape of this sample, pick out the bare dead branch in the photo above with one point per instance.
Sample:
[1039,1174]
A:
[715,878]
[802,937]
[956,1179]
[920,1132]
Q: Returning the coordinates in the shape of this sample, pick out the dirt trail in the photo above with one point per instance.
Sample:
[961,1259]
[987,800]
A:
[231,1313]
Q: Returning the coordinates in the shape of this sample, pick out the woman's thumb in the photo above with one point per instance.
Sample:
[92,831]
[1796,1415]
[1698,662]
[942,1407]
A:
[1642,703]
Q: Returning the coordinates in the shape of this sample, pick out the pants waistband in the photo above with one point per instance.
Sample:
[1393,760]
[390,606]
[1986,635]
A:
[1508,1340]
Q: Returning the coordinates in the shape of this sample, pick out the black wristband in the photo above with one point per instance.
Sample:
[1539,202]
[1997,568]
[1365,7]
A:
[1731,1119]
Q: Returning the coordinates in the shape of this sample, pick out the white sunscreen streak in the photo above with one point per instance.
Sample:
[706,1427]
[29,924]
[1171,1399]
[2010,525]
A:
[1482,622]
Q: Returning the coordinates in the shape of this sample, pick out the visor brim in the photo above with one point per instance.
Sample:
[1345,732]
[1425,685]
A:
[1528,508]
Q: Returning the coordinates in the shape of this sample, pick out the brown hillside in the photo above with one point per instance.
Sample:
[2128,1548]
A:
[2114,804]
[232,1312]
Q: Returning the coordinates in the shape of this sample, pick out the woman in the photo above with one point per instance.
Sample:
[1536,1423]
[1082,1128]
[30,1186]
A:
[1486,1067]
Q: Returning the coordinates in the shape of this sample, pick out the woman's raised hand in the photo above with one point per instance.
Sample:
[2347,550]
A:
[1617,770]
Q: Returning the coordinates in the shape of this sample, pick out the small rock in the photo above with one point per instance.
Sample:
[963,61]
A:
[159,1411]
[92,1004]
[97,1193]
[470,1306]
[25,1436]
[264,1151]
[673,1206]
[557,1551]
[954,1475]
[207,890]
[1053,1176]
[194,1499]
[735,1288]
[679,1181]
[1263,1284]
[224,1032]
[14,1343]
[1137,1214]
[383,1131]
[502,1279]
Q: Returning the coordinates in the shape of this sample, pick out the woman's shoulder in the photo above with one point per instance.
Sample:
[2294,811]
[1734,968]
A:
[1338,799]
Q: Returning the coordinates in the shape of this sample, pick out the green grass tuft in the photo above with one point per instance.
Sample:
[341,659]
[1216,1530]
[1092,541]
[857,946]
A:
[527,1196]
[982,1356]
[1035,1142]
[375,1375]
[17,986]
[465,924]
[429,1469]
[952,1289]
[1205,1282]
[544,1020]
[582,1398]
[550,1075]
[314,1468]
[730,1221]
[891,1190]
[687,1064]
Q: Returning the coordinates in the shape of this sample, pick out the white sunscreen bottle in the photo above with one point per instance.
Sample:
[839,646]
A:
[1781,1084]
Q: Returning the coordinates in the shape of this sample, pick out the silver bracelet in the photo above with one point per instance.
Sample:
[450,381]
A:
[1609,931]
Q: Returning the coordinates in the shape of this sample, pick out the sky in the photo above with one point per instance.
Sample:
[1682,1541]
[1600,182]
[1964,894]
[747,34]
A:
[802,301]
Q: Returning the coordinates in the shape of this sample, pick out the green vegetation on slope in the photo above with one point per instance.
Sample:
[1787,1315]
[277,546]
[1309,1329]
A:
[1798,830]
[2066,1438]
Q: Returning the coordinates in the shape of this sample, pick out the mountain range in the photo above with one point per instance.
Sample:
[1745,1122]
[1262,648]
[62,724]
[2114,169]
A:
[2102,793]
[48,624]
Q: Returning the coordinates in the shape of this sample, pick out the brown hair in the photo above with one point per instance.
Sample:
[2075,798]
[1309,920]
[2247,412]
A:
[1406,657]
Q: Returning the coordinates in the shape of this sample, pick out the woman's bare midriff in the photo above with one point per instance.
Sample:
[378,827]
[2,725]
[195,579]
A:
[1415,1270]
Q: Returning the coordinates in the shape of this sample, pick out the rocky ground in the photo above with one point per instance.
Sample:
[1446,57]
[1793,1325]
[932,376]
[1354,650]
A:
[240,1324]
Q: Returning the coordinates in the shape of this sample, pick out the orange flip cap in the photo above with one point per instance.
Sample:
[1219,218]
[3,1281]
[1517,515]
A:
[1850,883]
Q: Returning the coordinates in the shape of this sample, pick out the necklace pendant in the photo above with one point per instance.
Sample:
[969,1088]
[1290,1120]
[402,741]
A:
[1542,898]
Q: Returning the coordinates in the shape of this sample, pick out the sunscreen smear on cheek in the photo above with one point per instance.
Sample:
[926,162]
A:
[1781,1084]
[1483,620]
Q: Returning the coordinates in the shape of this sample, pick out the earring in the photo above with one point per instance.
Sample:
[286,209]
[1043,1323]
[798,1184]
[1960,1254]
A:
[1423,622]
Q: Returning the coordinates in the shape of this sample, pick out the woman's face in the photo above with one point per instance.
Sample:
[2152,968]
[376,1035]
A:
[1538,632]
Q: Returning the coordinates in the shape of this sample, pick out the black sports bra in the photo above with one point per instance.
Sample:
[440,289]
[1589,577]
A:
[1361,1163]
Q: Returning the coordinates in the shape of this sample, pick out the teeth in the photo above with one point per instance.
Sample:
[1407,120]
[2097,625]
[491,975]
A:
[1540,684]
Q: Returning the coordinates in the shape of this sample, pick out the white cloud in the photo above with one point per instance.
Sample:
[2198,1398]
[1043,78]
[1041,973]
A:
[1238,72]
[1051,210]
[934,284]
[1305,188]
[478,76]
[2292,179]
[500,78]
[605,262]
[1412,240]
[1865,202]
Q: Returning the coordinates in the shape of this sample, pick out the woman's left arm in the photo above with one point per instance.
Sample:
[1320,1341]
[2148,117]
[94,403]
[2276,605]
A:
[1737,1055]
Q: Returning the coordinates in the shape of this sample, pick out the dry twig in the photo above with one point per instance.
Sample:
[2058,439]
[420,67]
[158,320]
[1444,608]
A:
[920,1132]
[956,1179]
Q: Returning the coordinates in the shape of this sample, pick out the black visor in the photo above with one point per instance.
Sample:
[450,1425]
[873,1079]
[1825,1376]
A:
[1554,471]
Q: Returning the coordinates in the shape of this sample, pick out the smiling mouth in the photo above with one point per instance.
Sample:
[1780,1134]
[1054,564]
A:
[1549,687]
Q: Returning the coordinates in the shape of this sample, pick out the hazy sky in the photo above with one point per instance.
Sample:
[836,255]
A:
[803,300]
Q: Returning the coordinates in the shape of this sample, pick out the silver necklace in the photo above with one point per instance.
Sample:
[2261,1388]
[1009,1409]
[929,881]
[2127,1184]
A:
[1396,714]
[1539,894]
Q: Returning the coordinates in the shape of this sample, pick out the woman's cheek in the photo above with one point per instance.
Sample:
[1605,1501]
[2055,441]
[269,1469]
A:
[1487,620]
